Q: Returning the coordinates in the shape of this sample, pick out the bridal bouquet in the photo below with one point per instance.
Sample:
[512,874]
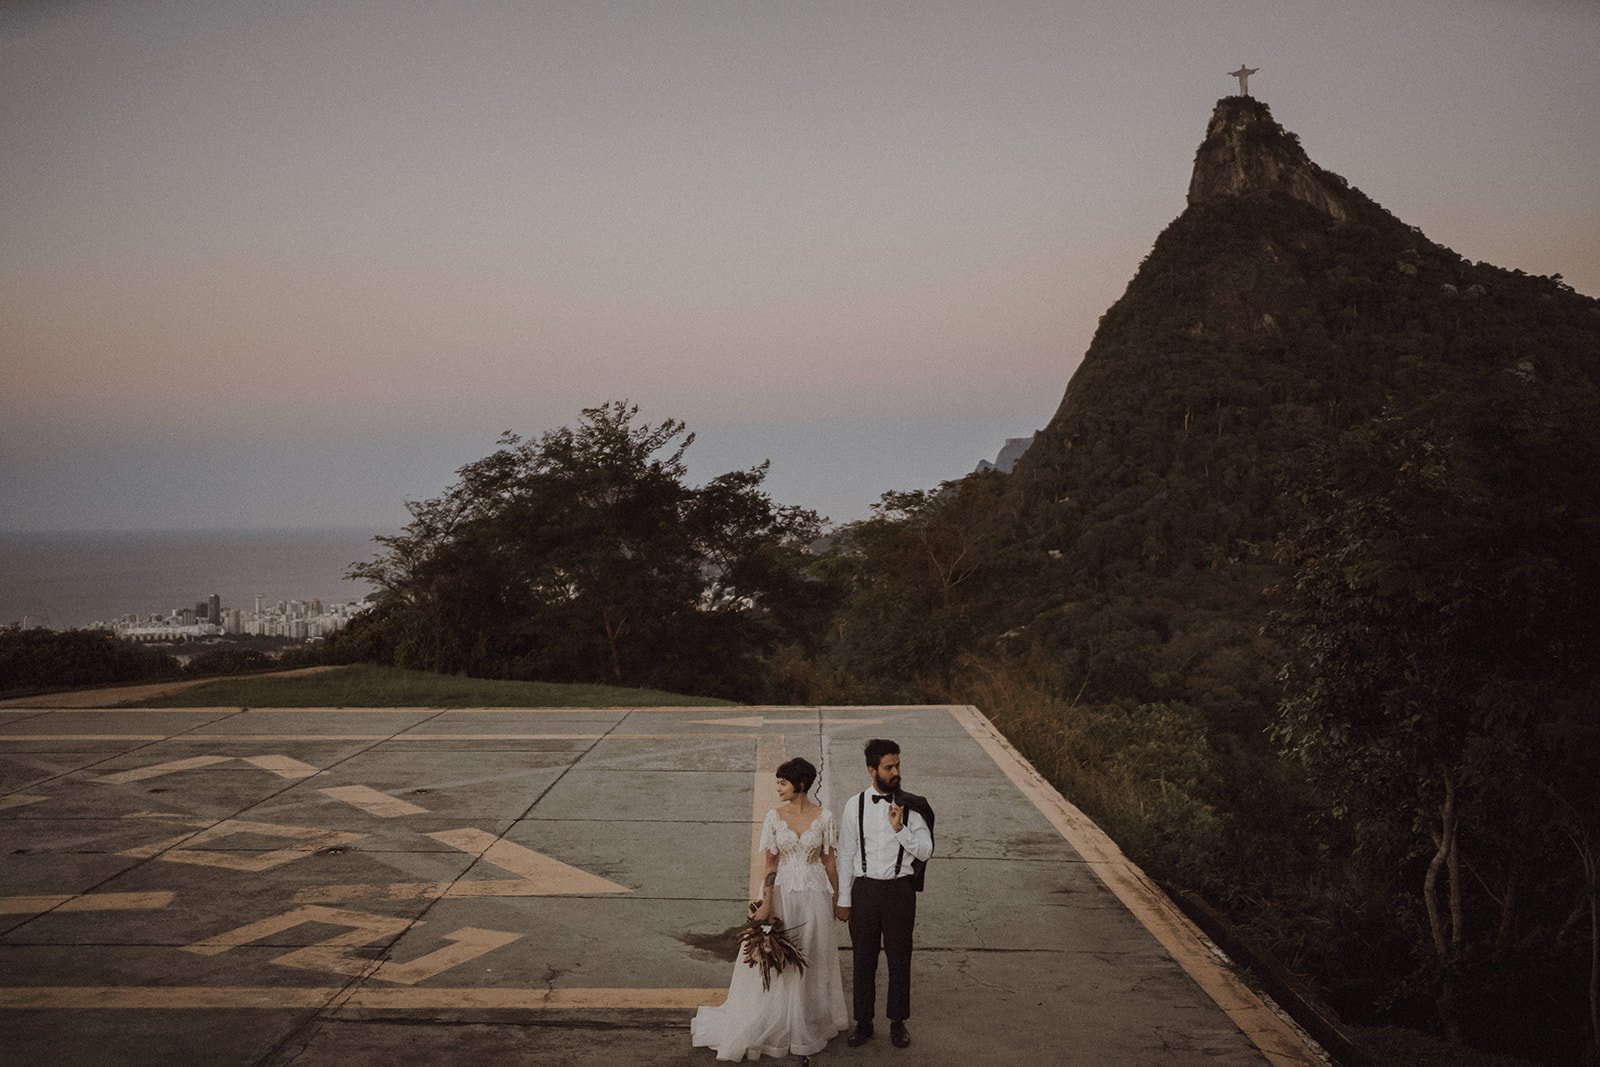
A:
[766,944]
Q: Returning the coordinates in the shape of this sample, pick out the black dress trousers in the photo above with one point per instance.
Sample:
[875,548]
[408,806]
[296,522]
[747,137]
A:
[882,913]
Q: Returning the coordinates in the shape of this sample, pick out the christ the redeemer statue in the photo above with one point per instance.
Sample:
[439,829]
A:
[1243,74]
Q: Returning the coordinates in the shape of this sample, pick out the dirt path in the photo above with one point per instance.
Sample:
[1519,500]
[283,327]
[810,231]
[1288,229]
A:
[99,698]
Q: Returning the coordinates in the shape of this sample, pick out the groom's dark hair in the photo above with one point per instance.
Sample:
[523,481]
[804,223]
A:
[878,748]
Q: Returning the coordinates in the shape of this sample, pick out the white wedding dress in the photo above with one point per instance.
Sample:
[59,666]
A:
[802,1011]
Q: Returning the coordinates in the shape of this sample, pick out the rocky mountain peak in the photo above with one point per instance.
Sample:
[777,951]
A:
[1246,153]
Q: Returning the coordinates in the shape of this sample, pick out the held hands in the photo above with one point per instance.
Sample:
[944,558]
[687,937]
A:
[841,912]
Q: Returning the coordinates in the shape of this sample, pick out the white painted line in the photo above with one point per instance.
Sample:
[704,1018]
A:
[85,902]
[753,722]
[156,770]
[333,954]
[470,943]
[620,712]
[184,998]
[550,874]
[327,955]
[1277,1039]
[538,875]
[310,840]
[171,816]
[282,766]
[202,738]
[758,722]
[83,737]
[216,712]
[372,801]
[504,737]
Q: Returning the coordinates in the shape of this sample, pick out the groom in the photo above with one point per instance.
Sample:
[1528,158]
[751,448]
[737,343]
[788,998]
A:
[885,838]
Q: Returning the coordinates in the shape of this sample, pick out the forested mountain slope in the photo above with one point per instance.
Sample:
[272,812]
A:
[1295,595]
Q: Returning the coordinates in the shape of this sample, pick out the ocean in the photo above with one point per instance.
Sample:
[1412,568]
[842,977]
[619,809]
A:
[70,579]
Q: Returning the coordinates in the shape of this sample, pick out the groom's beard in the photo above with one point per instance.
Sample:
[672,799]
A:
[887,785]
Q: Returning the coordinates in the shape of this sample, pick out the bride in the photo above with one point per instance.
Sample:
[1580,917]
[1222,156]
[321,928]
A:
[803,1010]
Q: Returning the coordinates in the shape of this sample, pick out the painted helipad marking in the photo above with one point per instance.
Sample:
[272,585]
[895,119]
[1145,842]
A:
[157,770]
[83,737]
[282,766]
[1277,1039]
[172,817]
[17,800]
[329,955]
[310,840]
[183,998]
[214,712]
[616,713]
[333,954]
[85,902]
[538,875]
[501,737]
[470,943]
[214,739]
[372,801]
[758,722]
[771,751]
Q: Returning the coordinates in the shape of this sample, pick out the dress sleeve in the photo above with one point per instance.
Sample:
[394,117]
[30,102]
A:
[769,833]
[830,833]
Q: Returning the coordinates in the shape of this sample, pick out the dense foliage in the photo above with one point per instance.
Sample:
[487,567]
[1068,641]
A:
[38,660]
[584,556]
[232,661]
[1294,595]
[1445,633]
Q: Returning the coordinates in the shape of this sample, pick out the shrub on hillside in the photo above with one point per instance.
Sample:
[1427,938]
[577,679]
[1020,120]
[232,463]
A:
[229,661]
[36,660]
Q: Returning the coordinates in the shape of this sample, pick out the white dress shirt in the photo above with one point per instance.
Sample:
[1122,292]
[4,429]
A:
[883,843]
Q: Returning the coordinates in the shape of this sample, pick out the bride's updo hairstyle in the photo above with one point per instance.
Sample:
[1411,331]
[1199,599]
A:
[798,773]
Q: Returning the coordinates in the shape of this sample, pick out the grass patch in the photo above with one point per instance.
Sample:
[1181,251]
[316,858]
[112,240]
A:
[369,686]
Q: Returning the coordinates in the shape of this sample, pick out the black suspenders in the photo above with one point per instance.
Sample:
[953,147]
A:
[861,831]
[861,828]
[901,855]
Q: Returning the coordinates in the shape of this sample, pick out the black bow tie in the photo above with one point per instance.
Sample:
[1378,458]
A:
[879,796]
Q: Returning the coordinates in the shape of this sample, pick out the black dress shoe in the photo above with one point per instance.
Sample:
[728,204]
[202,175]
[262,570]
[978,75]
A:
[859,1035]
[899,1034]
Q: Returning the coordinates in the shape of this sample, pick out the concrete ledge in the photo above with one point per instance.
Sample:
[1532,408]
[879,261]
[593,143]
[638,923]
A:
[1272,1031]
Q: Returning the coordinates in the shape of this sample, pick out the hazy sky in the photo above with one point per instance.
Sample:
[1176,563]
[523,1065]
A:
[277,264]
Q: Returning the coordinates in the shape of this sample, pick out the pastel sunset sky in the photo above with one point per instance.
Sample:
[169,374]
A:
[287,264]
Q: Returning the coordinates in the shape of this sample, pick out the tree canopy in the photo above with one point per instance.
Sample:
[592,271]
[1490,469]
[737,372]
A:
[584,555]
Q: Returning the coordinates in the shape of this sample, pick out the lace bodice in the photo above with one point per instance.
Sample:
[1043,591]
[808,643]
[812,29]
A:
[800,855]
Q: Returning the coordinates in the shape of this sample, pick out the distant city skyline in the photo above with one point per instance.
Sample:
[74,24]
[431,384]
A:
[274,267]
[64,580]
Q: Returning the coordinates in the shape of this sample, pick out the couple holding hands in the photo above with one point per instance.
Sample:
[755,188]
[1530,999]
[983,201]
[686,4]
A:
[866,872]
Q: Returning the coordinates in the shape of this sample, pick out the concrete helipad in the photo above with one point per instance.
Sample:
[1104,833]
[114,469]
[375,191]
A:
[411,885]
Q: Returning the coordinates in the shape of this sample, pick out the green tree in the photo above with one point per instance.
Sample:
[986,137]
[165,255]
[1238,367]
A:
[31,660]
[1434,618]
[918,572]
[585,555]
